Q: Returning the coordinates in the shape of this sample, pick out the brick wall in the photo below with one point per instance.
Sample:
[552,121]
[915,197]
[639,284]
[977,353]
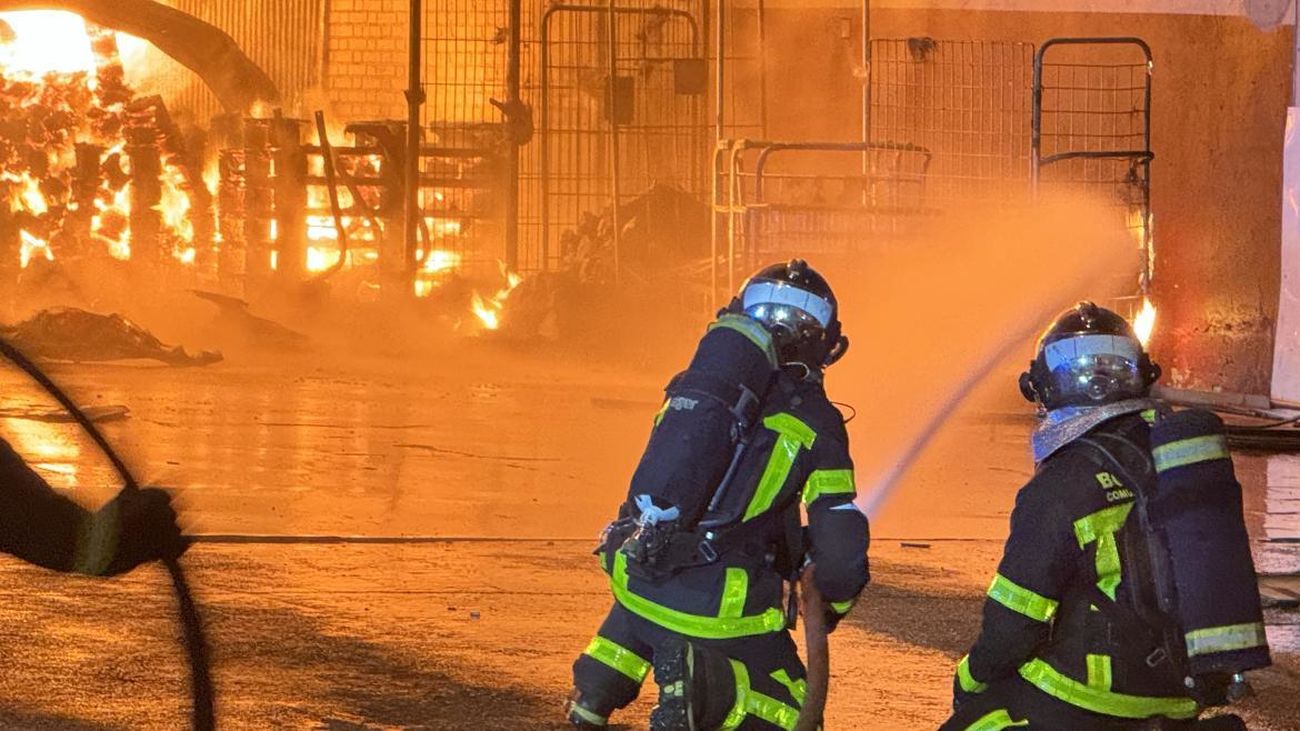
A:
[365,74]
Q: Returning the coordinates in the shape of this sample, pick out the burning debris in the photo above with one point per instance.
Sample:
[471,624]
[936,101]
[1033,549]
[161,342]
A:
[88,171]
[77,335]
[665,233]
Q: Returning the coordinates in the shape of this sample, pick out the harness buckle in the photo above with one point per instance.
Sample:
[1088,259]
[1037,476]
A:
[707,551]
[1156,657]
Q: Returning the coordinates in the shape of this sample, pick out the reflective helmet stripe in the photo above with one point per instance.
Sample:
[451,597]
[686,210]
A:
[762,292]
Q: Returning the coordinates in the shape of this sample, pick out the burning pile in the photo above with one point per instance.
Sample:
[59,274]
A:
[87,169]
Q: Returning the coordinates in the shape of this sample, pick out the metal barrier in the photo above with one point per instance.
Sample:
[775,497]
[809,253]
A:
[967,102]
[1092,129]
[766,210]
[620,108]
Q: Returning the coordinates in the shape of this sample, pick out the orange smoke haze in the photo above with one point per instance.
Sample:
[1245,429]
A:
[929,320]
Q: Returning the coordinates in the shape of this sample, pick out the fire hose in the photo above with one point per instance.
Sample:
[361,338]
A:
[818,651]
[203,712]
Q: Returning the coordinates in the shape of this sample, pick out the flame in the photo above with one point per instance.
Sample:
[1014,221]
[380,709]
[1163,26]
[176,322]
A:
[1144,323]
[489,311]
[319,259]
[31,247]
[436,264]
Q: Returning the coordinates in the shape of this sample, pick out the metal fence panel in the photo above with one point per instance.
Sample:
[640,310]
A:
[1092,131]
[967,102]
[662,86]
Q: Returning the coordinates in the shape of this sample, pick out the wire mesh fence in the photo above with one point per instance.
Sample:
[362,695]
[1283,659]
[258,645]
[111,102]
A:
[1092,133]
[968,102]
[652,116]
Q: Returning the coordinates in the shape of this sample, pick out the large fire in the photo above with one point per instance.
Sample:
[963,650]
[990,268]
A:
[67,111]
[91,171]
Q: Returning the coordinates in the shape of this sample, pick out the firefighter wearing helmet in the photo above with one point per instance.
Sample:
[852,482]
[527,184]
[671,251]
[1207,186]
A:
[710,531]
[1079,629]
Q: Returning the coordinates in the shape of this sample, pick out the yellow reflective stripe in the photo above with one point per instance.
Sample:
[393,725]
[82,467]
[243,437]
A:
[1225,639]
[659,415]
[736,716]
[1017,598]
[734,591]
[1101,527]
[588,716]
[749,327]
[692,625]
[1110,703]
[967,681]
[618,657]
[842,608]
[794,435]
[1149,416]
[995,721]
[828,482]
[1190,451]
[798,688]
[1099,672]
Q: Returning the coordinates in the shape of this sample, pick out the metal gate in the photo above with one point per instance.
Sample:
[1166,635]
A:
[618,110]
[469,70]
[1092,130]
[967,102]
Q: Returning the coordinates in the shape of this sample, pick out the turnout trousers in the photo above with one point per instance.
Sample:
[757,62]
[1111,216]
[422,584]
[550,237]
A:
[754,683]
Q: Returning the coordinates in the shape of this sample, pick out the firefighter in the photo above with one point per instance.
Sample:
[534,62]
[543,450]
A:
[715,630]
[1065,641]
[42,527]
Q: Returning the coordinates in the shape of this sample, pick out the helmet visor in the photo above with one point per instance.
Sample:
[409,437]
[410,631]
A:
[1094,369]
[773,302]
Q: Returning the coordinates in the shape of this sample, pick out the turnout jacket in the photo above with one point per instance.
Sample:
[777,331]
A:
[798,455]
[1071,548]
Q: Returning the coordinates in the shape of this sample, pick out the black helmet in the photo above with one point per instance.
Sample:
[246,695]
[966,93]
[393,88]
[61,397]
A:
[797,306]
[1089,356]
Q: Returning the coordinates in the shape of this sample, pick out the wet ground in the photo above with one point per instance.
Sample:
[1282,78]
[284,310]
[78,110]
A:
[480,485]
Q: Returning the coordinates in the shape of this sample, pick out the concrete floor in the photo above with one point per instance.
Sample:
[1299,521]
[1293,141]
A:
[516,463]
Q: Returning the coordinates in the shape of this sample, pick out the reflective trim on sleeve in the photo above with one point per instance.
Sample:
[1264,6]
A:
[1225,639]
[734,591]
[1059,686]
[1017,598]
[794,435]
[750,328]
[691,625]
[97,539]
[967,681]
[842,608]
[828,482]
[1190,451]
[618,657]
[1099,672]
[750,702]
[996,721]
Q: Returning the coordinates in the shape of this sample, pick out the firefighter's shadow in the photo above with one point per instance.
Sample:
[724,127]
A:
[945,621]
[10,719]
[342,682]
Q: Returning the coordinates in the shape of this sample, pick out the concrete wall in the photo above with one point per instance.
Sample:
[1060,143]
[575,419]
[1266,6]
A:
[1219,108]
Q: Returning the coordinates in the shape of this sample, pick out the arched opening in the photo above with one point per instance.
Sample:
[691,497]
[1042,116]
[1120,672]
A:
[208,51]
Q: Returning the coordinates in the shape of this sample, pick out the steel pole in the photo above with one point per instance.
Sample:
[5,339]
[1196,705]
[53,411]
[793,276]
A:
[414,100]
[614,166]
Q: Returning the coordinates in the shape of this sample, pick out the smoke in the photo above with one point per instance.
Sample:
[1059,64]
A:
[930,320]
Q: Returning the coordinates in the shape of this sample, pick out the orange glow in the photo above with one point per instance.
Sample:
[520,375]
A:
[320,259]
[32,247]
[1144,323]
[489,311]
[436,264]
